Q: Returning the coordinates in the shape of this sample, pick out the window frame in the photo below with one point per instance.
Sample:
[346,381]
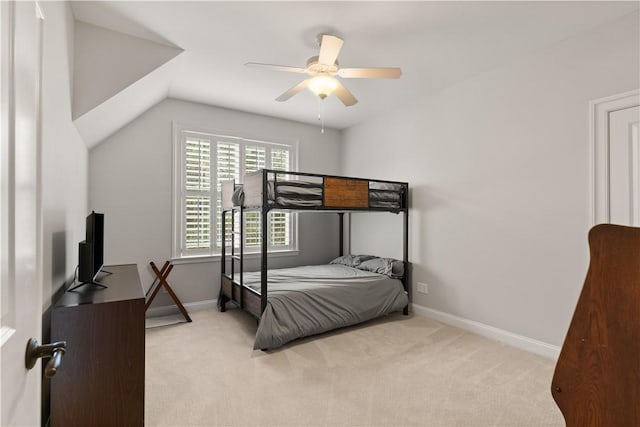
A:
[180,133]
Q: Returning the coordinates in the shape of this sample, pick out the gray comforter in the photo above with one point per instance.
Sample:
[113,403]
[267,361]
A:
[309,300]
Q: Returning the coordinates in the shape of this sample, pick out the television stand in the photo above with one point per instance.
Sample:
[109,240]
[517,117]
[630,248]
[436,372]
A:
[93,282]
[101,380]
[102,273]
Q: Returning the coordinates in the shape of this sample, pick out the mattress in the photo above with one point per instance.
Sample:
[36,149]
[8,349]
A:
[295,193]
[309,300]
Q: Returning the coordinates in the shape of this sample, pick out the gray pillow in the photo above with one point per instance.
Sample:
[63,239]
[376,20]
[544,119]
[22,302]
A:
[238,196]
[387,266]
[351,260]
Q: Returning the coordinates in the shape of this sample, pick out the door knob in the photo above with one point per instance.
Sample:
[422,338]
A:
[53,351]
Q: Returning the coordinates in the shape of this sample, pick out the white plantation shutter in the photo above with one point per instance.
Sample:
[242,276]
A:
[280,229]
[197,164]
[280,159]
[227,168]
[254,159]
[227,161]
[280,221]
[196,200]
[197,220]
[207,160]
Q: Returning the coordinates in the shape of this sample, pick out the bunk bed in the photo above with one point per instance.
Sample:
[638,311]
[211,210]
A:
[295,302]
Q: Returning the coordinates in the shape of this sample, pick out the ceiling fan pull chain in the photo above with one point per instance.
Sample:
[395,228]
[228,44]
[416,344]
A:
[321,115]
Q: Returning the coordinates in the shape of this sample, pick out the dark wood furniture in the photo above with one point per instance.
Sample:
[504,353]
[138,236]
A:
[101,379]
[339,194]
[597,377]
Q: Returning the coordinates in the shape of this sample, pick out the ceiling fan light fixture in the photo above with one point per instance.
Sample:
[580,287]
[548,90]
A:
[322,70]
[323,86]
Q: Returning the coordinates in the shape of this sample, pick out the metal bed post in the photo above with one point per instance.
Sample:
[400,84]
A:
[341,217]
[223,236]
[264,239]
[241,247]
[405,246]
[221,297]
[233,248]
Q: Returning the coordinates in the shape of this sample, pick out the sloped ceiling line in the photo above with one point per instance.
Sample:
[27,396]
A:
[116,78]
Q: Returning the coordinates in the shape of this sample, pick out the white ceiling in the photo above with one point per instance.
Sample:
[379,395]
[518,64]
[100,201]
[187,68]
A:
[435,43]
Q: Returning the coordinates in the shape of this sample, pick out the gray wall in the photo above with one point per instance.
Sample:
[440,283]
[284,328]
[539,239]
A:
[130,181]
[499,171]
[64,155]
[64,167]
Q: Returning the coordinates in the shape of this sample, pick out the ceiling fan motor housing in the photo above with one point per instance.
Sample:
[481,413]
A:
[315,67]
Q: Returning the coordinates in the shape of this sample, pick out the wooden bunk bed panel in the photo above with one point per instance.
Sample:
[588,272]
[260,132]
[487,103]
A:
[245,297]
[235,292]
[227,287]
[346,193]
[251,302]
[231,290]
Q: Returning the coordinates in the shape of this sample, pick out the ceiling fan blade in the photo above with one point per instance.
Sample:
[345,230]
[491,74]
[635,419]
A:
[275,67]
[373,73]
[344,95]
[329,49]
[297,88]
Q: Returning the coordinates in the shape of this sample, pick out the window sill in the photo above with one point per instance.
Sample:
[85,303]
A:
[216,258]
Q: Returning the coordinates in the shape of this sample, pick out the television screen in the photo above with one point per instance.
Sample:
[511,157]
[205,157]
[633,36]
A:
[91,251]
[95,236]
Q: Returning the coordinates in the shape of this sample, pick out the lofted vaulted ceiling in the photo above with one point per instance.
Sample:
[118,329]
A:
[435,43]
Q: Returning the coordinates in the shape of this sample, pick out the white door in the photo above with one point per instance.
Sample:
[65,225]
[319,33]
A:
[624,166]
[20,211]
[615,159]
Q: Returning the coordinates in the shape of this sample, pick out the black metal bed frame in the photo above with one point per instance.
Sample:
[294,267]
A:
[246,297]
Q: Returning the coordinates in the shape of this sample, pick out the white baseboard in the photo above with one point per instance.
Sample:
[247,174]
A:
[519,341]
[167,310]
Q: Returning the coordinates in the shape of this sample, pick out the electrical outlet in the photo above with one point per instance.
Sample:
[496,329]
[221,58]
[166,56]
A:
[422,288]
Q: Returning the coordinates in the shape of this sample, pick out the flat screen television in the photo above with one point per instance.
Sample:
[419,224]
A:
[91,251]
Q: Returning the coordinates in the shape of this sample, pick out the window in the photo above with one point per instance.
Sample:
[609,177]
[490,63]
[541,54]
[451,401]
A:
[203,160]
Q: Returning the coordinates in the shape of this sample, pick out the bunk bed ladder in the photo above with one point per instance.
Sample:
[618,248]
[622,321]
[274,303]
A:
[233,256]
[222,298]
[238,258]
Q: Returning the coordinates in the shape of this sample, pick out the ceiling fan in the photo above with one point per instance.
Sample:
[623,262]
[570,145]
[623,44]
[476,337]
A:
[324,68]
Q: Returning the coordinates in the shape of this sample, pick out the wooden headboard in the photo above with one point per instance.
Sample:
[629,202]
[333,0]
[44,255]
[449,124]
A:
[597,376]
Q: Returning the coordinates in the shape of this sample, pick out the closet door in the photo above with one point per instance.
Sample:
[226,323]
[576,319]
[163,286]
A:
[624,166]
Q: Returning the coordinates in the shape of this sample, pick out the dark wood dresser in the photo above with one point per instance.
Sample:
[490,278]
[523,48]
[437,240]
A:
[101,379]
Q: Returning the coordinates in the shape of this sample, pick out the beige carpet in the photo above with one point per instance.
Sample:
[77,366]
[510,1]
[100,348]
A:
[396,371]
[157,321]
